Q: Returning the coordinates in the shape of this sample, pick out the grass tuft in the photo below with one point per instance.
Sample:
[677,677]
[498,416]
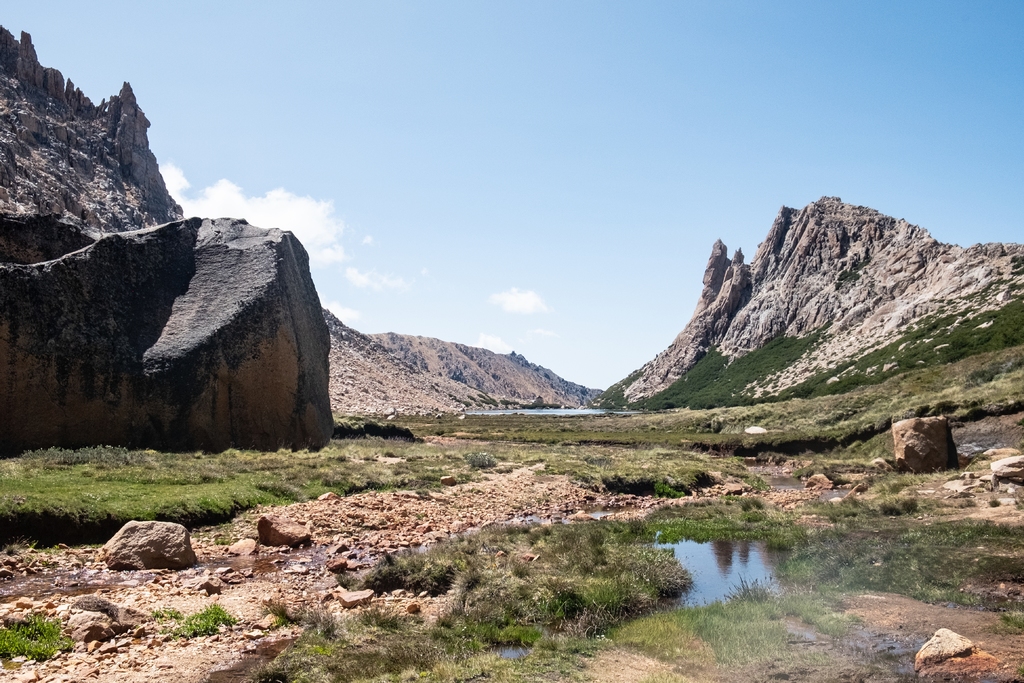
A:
[204,623]
[35,638]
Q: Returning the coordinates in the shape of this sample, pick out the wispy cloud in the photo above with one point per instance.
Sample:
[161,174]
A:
[516,301]
[368,240]
[373,280]
[345,314]
[311,220]
[539,332]
[493,343]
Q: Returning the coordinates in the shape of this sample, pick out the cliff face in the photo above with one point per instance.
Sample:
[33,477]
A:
[61,154]
[854,275]
[502,376]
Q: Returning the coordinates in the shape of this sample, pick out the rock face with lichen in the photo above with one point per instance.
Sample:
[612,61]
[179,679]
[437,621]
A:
[61,154]
[854,277]
[194,335]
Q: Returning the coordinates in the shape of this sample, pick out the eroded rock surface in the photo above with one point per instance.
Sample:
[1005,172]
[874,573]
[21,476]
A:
[194,335]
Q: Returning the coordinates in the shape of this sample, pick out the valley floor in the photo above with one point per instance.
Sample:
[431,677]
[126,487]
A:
[859,627]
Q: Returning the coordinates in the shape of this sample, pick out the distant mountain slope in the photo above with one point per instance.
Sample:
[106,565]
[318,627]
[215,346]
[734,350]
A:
[504,376]
[61,154]
[367,378]
[836,296]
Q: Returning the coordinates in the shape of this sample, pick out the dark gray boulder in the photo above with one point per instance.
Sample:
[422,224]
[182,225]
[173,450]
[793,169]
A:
[193,335]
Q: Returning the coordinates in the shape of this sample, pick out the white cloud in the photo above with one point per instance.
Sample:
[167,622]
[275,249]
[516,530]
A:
[345,314]
[493,343]
[543,333]
[311,220]
[368,240]
[515,301]
[373,280]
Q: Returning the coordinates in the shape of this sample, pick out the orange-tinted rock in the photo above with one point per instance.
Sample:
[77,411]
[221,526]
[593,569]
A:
[276,530]
[246,546]
[924,444]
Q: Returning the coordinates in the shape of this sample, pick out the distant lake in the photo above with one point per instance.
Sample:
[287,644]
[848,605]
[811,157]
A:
[552,411]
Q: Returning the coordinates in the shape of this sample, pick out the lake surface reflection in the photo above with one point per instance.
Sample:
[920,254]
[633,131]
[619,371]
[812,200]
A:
[718,566]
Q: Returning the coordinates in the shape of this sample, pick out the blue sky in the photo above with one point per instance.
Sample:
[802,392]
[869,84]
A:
[549,176]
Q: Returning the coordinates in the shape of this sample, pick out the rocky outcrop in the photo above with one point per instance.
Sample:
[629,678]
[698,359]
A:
[395,373]
[150,545]
[195,335]
[924,444]
[61,154]
[854,275]
[502,376]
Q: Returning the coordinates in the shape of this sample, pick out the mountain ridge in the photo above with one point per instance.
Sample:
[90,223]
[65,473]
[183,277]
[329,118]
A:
[850,274]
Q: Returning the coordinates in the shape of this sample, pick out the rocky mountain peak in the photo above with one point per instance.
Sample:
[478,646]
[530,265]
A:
[61,154]
[849,272]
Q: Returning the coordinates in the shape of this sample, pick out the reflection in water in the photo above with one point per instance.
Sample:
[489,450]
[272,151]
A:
[717,567]
[723,551]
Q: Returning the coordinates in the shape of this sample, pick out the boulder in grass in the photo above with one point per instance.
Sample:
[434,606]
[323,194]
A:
[275,530]
[924,444]
[150,545]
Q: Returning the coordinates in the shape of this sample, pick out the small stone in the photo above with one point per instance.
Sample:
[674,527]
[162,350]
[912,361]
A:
[880,464]
[350,599]
[755,430]
[337,565]
[448,480]
[942,645]
[277,530]
[818,481]
[528,557]
[412,608]
[330,495]
[210,585]
[246,546]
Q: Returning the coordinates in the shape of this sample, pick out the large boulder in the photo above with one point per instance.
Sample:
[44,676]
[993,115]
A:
[150,545]
[924,444]
[194,335]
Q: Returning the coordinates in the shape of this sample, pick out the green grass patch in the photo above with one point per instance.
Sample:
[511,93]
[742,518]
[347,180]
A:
[36,638]
[870,552]
[934,340]
[727,520]
[715,382]
[749,628]
[204,623]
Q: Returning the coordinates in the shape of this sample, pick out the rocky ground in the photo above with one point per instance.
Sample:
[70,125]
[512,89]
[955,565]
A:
[348,534]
